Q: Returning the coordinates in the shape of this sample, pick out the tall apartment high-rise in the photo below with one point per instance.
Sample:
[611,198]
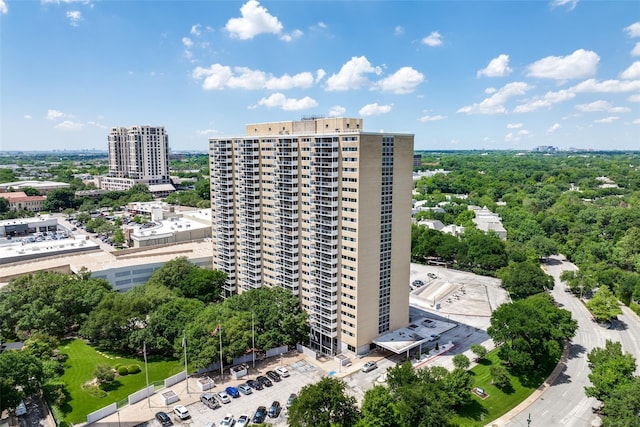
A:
[322,208]
[137,154]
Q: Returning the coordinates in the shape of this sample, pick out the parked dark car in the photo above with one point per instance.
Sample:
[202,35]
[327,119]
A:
[163,419]
[290,400]
[256,385]
[264,381]
[260,415]
[274,376]
[274,409]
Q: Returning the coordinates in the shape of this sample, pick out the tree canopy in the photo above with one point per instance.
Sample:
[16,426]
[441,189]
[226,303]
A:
[323,404]
[48,302]
[531,332]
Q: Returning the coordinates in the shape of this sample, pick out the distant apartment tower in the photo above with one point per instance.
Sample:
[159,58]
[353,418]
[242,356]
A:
[137,154]
[417,160]
[322,208]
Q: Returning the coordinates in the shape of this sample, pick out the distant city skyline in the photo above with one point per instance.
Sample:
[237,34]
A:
[459,75]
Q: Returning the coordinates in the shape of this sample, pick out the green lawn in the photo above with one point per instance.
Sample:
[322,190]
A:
[79,367]
[482,411]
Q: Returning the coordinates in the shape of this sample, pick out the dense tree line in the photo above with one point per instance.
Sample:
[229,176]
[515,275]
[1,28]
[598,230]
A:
[582,205]
[614,384]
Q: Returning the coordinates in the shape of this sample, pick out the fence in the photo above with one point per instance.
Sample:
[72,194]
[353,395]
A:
[101,413]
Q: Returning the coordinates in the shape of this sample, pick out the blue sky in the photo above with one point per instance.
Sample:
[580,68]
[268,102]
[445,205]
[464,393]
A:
[459,75]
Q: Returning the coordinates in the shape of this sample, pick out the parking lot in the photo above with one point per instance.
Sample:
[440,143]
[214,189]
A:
[142,413]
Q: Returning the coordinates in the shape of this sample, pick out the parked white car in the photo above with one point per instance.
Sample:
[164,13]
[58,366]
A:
[282,371]
[181,412]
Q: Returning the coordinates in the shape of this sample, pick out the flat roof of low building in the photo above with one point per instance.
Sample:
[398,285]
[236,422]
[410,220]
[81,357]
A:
[416,333]
[100,260]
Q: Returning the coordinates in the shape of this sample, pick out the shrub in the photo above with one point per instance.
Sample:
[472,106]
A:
[104,373]
[122,371]
[133,369]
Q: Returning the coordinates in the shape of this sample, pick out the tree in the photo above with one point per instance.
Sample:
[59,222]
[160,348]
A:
[30,191]
[4,205]
[479,350]
[49,302]
[499,376]
[378,409]
[523,279]
[578,282]
[531,332]
[21,375]
[323,404]
[611,369]
[622,407]
[485,251]
[604,305]
[60,199]
[104,373]
[460,361]
[422,398]
[190,280]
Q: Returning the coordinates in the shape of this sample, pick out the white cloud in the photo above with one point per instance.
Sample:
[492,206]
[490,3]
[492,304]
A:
[206,132]
[287,104]
[515,137]
[428,118]
[554,128]
[75,16]
[28,116]
[320,75]
[3,7]
[398,31]
[374,109]
[403,81]
[636,122]
[434,39]
[514,125]
[633,30]
[295,34]
[609,119]
[547,100]
[599,106]
[55,114]
[634,98]
[98,125]
[636,50]
[352,74]
[606,86]
[195,29]
[187,42]
[495,103]
[571,4]
[300,80]
[69,125]
[490,90]
[633,72]
[498,67]
[255,20]
[337,111]
[218,77]
[215,77]
[581,63]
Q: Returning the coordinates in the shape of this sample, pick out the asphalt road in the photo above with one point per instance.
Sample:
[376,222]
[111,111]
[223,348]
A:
[564,403]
